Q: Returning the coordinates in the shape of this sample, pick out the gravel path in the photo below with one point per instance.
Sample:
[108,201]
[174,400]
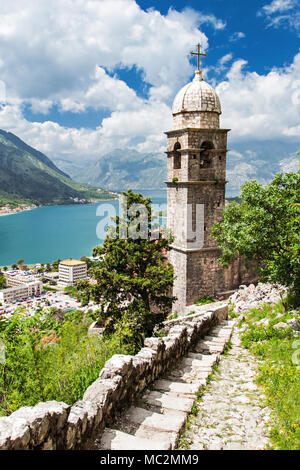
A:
[231,412]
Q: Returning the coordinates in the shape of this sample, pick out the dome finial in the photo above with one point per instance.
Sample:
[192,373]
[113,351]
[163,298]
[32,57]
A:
[198,54]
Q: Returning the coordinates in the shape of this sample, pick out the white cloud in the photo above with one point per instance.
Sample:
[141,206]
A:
[72,61]
[261,107]
[236,36]
[275,18]
[226,58]
[68,52]
[54,46]
[278,6]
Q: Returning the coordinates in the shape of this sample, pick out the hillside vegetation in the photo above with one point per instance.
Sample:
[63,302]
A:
[28,175]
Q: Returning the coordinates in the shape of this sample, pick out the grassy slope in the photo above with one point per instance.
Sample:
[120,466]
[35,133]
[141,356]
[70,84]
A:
[279,370]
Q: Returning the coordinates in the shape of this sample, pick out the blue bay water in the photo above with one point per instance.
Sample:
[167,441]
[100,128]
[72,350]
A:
[48,233]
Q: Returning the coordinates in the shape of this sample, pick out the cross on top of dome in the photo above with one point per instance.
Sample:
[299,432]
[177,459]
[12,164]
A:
[198,54]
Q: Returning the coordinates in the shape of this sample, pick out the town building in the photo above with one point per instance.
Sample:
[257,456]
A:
[52,276]
[22,291]
[71,271]
[13,280]
[196,179]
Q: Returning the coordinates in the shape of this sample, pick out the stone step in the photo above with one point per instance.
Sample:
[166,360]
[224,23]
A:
[180,389]
[195,363]
[116,440]
[147,424]
[209,347]
[227,325]
[148,419]
[167,438]
[204,358]
[167,402]
[226,330]
[193,376]
[215,339]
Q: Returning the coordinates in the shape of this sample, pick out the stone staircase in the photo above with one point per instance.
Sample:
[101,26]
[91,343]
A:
[159,415]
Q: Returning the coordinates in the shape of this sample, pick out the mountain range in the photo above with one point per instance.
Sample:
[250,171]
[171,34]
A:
[128,168]
[27,174]
[120,170]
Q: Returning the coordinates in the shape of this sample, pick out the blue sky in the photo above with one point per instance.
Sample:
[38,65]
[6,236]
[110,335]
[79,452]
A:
[78,78]
[260,44]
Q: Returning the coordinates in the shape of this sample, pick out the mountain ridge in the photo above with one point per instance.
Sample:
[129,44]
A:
[122,169]
[28,174]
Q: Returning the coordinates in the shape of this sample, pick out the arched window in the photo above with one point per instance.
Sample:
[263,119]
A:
[205,156]
[177,156]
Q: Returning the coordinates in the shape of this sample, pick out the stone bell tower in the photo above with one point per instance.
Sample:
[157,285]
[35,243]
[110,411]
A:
[196,172]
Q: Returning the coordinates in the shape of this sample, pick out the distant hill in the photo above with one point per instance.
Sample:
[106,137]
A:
[123,169]
[27,174]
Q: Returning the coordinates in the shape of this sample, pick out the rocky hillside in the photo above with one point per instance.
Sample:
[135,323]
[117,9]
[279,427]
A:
[121,169]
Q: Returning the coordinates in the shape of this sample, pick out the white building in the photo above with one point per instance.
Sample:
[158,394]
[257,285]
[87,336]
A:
[21,291]
[52,276]
[71,271]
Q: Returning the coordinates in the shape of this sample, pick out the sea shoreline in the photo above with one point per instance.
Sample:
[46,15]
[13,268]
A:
[18,211]
[30,208]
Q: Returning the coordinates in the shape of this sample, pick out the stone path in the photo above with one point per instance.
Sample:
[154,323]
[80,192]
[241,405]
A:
[158,417]
[231,411]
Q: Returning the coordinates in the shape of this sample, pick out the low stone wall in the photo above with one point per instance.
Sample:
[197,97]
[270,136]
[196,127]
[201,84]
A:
[56,425]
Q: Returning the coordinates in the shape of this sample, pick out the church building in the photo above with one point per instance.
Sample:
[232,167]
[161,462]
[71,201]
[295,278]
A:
[196,179]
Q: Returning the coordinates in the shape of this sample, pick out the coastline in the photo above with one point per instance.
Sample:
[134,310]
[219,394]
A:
[18,210]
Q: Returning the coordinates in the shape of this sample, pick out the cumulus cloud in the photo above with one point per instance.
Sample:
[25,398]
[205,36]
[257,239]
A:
[67,54]
[54,45]
[261,107]
[72,61]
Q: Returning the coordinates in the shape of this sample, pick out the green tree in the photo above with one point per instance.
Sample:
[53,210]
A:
[55,265]
[265,228]
[134,279]
[88,261]
[83,291]
[2,281]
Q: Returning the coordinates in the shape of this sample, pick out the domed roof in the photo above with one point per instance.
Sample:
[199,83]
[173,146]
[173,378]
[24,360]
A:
[197,96]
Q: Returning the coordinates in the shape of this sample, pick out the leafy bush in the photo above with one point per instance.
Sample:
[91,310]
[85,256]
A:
[50,360]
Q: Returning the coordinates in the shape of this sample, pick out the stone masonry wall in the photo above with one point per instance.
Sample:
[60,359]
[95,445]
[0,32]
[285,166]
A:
[56,425]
